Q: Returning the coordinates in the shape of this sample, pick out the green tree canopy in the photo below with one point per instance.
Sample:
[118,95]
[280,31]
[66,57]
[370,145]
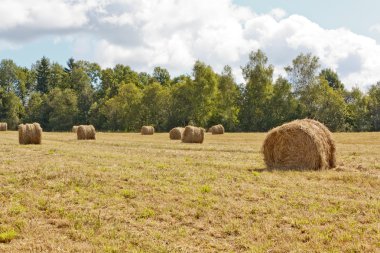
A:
[257,93]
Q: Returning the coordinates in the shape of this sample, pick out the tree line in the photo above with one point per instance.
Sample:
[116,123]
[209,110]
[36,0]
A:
[121,99]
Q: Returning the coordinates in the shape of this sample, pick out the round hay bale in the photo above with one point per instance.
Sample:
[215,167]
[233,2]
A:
[330,140]
[193,135]
[86,132]
[217,129]
[147,130]
[3,126]
[300,144]
[29,133]
[74,129]
[176,133]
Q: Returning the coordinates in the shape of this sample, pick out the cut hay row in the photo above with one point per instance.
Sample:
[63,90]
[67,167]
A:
[300,144]
[29,133]
[176,133]
[217,129]
[86,132]
[147,130]
[3,126]
[74,129]
[193,135]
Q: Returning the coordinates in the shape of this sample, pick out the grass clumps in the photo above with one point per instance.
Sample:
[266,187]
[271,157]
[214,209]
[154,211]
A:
[128,194]
[7,236]
[147,213]
[205,189]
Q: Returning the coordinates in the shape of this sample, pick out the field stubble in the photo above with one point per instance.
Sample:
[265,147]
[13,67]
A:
[133,193]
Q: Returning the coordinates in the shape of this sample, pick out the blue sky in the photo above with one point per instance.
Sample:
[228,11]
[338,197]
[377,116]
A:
[345,35]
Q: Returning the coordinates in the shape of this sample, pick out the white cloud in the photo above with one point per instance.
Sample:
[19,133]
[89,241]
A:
[175,33]
[375,28]
[278,13]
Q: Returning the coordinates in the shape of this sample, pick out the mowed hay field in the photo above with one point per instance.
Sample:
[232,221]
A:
[134,193]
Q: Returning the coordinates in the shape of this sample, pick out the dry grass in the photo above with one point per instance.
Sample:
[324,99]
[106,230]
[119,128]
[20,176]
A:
[126,193]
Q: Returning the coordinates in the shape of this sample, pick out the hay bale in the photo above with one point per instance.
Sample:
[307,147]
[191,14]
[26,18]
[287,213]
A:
[176,133]
[300,144]
[147,130]
[86,132]
[29,133]
[217,129]
[74,129]
[3,126]
[330,140]
[193,135]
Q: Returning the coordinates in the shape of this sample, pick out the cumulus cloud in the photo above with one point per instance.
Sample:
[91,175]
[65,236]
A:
[176,33]
[278,13]
[375,28]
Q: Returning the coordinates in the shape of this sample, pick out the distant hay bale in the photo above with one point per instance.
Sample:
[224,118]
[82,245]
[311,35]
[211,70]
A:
[74,129]
[193,135]
[300,144]
[3,126]
[29,133]
[176,133]
[86,132]
[217,129]
[147,130]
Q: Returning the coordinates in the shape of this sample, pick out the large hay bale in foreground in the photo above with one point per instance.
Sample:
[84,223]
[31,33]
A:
[300,144]
[147,130]
[86,132]
[29,133]
[217,129]
[176,133]
[74,129]
[3,126]
[193,135]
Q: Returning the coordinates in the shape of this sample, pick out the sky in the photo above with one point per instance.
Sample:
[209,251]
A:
[143,34]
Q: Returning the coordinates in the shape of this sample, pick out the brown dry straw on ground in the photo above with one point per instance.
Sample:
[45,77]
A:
[147,130]
[300,144]
[3,126]
[74,129]
[86,132]
[29,133]
[176,133]
[193,135]
[217,129]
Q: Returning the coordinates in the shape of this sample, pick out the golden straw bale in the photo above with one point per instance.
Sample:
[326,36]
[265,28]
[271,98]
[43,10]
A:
[300,144]
[330,140]
[3,126]
[217,129]
[147,130]
[74,129]
[29,133]
[176,133]
[193,135]
[86,132]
